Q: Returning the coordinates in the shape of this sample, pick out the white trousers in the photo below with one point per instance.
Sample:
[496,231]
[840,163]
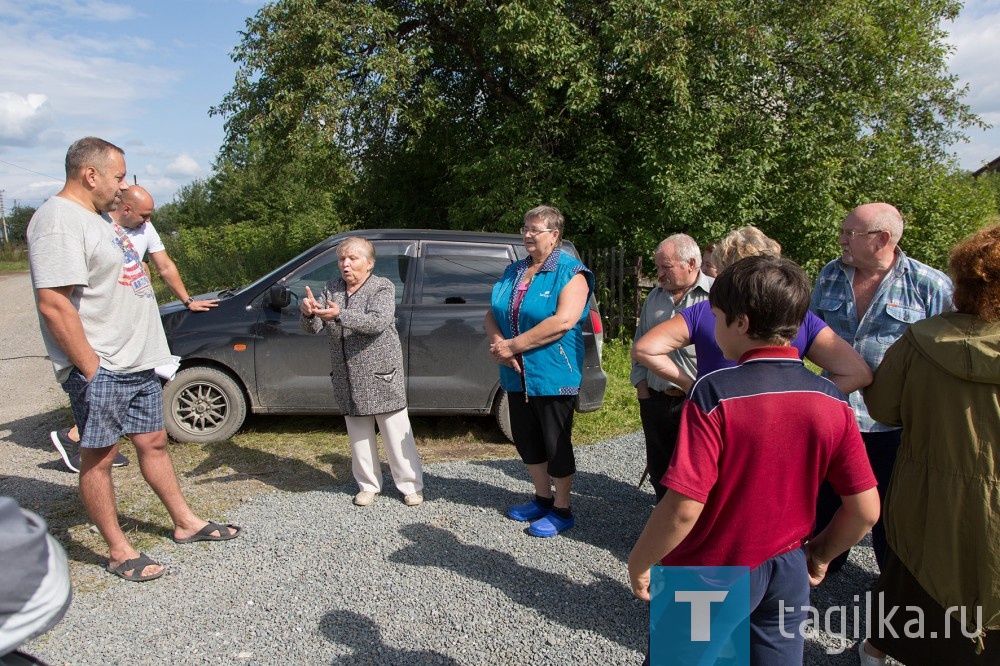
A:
[400,449]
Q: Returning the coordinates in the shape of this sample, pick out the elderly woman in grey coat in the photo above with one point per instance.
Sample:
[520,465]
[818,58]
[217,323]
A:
[357,311]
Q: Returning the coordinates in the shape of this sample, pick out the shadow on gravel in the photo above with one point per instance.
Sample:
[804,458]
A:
[32,432]
[610,514]
[60,507]
[49,500]
[279,472]
[363,636]
[837,599]
[605,607]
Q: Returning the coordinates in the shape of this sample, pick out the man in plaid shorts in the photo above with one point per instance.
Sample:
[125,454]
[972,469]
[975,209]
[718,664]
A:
[102,330]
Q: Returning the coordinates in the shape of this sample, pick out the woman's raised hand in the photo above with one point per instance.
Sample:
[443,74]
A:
[309,304]
[310,307]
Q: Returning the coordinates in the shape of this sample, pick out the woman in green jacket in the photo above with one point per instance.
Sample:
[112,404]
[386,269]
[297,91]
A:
[940,383]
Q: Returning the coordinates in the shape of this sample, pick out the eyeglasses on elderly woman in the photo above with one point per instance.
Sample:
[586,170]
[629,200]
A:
[527,231]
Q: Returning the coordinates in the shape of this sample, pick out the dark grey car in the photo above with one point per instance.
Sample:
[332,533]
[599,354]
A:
[250,354]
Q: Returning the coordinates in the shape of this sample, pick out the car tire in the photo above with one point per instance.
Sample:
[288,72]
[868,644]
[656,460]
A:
[203,405]
[502,414]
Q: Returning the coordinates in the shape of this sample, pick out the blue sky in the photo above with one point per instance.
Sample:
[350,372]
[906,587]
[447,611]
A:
[143,75]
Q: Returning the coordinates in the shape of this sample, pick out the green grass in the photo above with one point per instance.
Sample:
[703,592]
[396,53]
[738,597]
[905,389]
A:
[13,258]
[620,414]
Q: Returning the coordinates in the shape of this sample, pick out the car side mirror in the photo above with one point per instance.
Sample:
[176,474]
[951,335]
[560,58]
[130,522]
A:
[278,297]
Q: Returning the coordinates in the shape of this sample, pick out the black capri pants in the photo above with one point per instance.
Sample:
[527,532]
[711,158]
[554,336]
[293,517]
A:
[543,428]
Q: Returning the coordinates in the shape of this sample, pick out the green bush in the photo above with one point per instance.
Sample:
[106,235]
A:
[620,414]
[13,257]
[941,210]
[237,254]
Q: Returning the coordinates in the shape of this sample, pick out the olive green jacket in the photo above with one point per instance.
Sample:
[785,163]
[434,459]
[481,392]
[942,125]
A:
[942,511]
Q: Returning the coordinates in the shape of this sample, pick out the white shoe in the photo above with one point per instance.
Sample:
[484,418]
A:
[867,659]
[364,498]
[67,448]
[413,499]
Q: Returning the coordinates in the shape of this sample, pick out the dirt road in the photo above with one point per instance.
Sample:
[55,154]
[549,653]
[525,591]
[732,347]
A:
[31,402]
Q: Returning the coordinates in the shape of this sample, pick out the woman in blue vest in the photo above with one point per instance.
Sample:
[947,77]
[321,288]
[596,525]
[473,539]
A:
[534,327]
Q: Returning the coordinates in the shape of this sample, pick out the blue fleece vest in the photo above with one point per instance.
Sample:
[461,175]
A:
[555,368]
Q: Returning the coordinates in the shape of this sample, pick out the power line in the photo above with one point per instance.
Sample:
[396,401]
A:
[18,166]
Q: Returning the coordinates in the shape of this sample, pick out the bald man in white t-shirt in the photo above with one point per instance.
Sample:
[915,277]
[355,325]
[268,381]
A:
[133,215]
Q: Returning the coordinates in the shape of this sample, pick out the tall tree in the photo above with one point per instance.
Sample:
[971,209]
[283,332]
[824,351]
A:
[17,223]
[637,117]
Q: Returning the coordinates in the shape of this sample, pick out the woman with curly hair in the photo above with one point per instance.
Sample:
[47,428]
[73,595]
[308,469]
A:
[941,383]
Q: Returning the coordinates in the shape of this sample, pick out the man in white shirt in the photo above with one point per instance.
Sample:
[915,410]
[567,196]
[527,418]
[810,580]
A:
[102,331]
[133,215]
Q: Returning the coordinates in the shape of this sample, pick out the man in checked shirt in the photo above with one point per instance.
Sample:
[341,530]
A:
[869,296]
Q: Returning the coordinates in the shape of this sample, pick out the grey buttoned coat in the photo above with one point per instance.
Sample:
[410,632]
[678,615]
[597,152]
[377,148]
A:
[364,347]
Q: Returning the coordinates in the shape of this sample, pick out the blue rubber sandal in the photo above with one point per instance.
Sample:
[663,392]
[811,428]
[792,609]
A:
[551,525]
[527,512]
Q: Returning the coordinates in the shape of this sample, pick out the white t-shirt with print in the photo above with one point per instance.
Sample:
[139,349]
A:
[145,239]
[69,245]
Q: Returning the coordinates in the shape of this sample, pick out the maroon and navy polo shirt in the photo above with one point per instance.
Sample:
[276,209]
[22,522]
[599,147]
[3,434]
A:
[755,443]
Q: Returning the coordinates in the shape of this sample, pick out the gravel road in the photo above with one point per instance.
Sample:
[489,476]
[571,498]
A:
[316,580]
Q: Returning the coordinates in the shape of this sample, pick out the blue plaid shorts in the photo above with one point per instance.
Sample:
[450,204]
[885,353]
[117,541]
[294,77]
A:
[113,404]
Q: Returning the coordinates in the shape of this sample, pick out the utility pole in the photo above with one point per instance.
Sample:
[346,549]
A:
[3,219]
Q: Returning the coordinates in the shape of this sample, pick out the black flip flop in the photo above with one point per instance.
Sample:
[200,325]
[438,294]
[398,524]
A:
[205,533]
[136,565]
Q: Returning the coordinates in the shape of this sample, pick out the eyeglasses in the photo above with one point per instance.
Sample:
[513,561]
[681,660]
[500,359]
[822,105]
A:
[525,231]
[850,233]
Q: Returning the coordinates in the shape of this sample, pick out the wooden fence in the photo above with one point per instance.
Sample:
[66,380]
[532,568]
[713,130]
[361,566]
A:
[620,288]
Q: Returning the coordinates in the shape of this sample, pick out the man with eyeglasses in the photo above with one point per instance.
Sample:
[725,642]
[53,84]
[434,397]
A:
[680,284]
[869,296]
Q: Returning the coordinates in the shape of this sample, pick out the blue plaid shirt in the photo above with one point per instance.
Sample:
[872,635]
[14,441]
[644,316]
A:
[911,291]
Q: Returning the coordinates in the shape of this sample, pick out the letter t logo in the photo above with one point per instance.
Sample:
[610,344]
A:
[701,611]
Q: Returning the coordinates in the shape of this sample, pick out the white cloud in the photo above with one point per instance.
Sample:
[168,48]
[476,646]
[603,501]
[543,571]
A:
[41,189]
[974,34]
[23,119]
[80,75]
[183,166]
[40,10]
[106,11]
[980,8]
[974,60]
[61,81]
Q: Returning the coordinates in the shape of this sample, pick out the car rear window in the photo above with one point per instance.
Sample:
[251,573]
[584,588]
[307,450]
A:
[456,273]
